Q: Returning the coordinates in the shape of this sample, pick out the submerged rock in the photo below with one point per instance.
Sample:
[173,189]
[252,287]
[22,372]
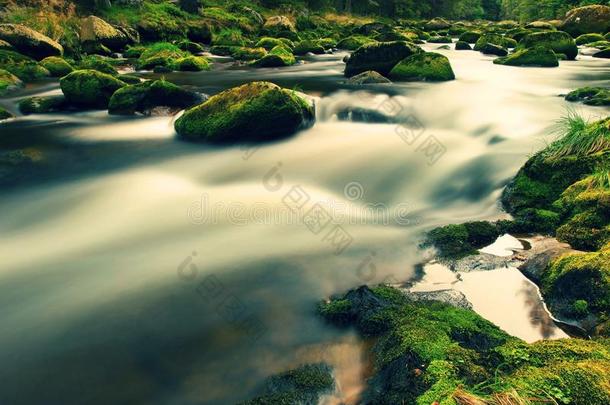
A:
[89,88]
[29,42]
[560,42]
[588,19]
[368,77]
[254,112]
[145,96]
[426,66]
[462,46]
[597,96]
[357,114]
[537,56]
[42,105]
[380,57]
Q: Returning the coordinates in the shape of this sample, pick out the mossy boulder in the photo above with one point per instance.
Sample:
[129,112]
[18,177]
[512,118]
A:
[248,54]
[586,20]
[308,46]
[268,43]
[24,67]
[42,105]
[380,57]
[229,37]
[537,56]
[189,46]
[440,40]
[423,66]
[143,97]
[558,41]
[9,82]
[437,24]
[58,67]
[493,49]
[99,63]
[605,53]
[470,37]
[6,46]
[598,96]
[4,114]
[97,31]
[368,77]
[160,54]
[462,46]
[254,112]
[304,385]
[494,39]
[192,64]
[540,25]
[29,42]
[279,56]
[455,241]
[134,52]
[354,42]
[588,38]
[89,88]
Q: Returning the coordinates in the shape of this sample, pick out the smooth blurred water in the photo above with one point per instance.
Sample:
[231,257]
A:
[140,269]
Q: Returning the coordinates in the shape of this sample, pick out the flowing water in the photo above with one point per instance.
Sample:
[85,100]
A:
[140,269]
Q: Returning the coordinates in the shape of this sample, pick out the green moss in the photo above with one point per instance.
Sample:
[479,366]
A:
[268,43]
[537,56]
[98,63]
[134,52]
[440,40]
[308,46]
[192,64]
[42,105]
[89,88]
[462,46]
[57,66]
[279,56]
[25,68]
[427,66]
[5,114]
[229,37]
[588,38]
[248,54]
[189,46]
[354,42]
[145,96]
[9,82]
[454,241]
[160,54]
[257,111]
[494,39]
[558,41]
[380,57]
[597,96]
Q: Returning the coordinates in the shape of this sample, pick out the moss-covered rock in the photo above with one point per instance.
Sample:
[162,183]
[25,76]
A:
[4,114]
[588,38]
[9,82]
[162,54]
[134,52]
[494,39]
[6,46]
[42,105]
[426,66]
[455,241]
[462,46]
[380,57]
[605,54]
[368,77]
[97,31]
[229,37]
[470,37]
[248,54]
[558,41]
[143,97]
[308,46]
[302,386]
[493,49]
[89,88]
[437,24]
[254,112]
[58,67]
[99,63]
[29,42]
[278,24]
[431,353]
[597,96]
[537,56]
[354,42]
[540,25]
[192,64]
[189,46]
[268,43]
[279,56]
[24,67]
[588,19]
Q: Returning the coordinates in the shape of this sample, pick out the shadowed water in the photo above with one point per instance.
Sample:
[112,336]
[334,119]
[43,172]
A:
[140,269]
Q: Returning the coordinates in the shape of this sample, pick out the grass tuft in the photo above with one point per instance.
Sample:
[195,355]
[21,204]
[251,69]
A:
[578,137]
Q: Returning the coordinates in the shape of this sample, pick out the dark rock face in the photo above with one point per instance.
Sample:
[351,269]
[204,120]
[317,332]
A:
[29,42]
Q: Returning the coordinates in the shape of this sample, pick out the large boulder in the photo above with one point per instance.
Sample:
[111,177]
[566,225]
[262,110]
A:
[24,67]
[29,42]
[42,104]
[588,19]
[278,24]
[279,56]
[423,66]
[493,49]
[470,37]
[462,46]
[89,88]
[590,95]
[354,42]
[144,97]
[253,112]
[380,57]
[437,24]
[495,39]
[58,67]
[161,54]
[558,41]
[94,30]
[537,56]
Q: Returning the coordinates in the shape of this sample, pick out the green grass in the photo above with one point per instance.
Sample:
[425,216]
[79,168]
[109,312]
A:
[579,138]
